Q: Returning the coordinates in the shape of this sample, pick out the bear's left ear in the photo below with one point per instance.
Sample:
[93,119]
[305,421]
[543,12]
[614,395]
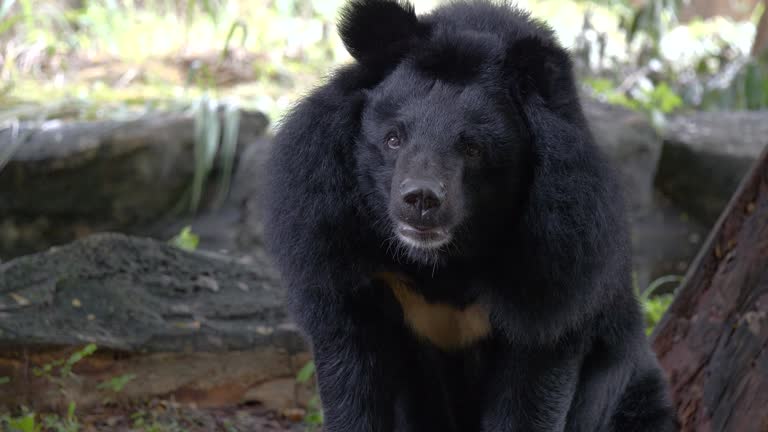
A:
[540,67]
[378,32]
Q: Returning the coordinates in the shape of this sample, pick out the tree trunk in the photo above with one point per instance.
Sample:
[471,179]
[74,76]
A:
[713,342]
[760,45]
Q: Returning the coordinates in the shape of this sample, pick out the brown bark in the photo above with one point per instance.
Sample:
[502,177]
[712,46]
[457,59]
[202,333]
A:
[713,342]
[760,45]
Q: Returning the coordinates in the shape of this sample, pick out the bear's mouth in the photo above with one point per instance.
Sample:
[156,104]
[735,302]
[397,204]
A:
[423,237]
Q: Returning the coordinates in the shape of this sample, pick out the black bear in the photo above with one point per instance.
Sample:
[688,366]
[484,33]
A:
[452,242]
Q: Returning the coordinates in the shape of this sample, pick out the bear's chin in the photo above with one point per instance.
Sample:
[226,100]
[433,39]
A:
[424,239]
[421,246]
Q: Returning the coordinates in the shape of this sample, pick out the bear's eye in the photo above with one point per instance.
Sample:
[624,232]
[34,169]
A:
[471,149]
[392,140]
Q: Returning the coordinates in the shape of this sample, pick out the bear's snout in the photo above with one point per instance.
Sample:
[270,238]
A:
[422,195]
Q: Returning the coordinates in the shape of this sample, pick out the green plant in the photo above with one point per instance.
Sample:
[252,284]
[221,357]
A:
[185,239]
[64,365]
[213,135]
[25,422]
[228,149]
[54,423]
[148,422]
[314,416]
[652,19]
[28,420]
[306,372]
[116,384]
[207,133]
[655,101]
[237,25]
[743,86]
[654,306]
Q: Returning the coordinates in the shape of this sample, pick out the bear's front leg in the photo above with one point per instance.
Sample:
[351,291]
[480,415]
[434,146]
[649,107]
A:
[531,390]
[361,363]
[357,376]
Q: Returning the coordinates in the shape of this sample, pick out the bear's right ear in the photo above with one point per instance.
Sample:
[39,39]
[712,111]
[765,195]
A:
[379,32]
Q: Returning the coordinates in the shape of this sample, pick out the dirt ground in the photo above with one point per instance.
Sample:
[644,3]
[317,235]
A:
[166,416]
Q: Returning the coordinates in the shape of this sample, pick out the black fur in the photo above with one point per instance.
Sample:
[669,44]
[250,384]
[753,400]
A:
[482,100]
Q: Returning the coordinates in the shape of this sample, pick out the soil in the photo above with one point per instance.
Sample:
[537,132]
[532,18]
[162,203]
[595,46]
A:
[168,416]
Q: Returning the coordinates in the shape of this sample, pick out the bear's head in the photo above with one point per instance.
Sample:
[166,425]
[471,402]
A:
[445,150]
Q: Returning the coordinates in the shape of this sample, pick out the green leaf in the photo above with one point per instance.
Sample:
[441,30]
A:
[228,150]
[600,85]
[207,136]
[654,306]
[186,239]
[24,423]
[4,380]
[665,99]
[656,284]
[71,412]
[76,357]
[239,24]
[654,309]
[117,383]
[306,372]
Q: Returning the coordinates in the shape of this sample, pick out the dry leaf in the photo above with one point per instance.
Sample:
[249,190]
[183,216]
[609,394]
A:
[20,299]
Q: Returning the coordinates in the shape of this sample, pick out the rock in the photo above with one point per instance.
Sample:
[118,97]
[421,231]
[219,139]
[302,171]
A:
[628,138]
[67,180]
[235,228]
[663,240]
[141,303]
[705,155]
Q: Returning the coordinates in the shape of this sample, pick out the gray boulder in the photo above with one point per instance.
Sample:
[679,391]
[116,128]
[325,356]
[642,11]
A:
[664,240]
[632,144]
[704,157]
[202,327]
[66,180]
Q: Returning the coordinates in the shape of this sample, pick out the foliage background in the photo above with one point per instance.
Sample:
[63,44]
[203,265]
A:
[98,58]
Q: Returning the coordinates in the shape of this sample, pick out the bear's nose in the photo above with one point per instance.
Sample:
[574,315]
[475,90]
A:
[422,194]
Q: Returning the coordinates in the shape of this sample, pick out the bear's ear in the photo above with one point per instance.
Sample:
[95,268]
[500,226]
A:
[540,67]
[378,32]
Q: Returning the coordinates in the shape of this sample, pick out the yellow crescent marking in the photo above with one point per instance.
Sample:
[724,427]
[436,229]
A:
[447,327]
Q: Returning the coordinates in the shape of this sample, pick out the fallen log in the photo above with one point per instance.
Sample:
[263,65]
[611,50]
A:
[713,341]
[199,327]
